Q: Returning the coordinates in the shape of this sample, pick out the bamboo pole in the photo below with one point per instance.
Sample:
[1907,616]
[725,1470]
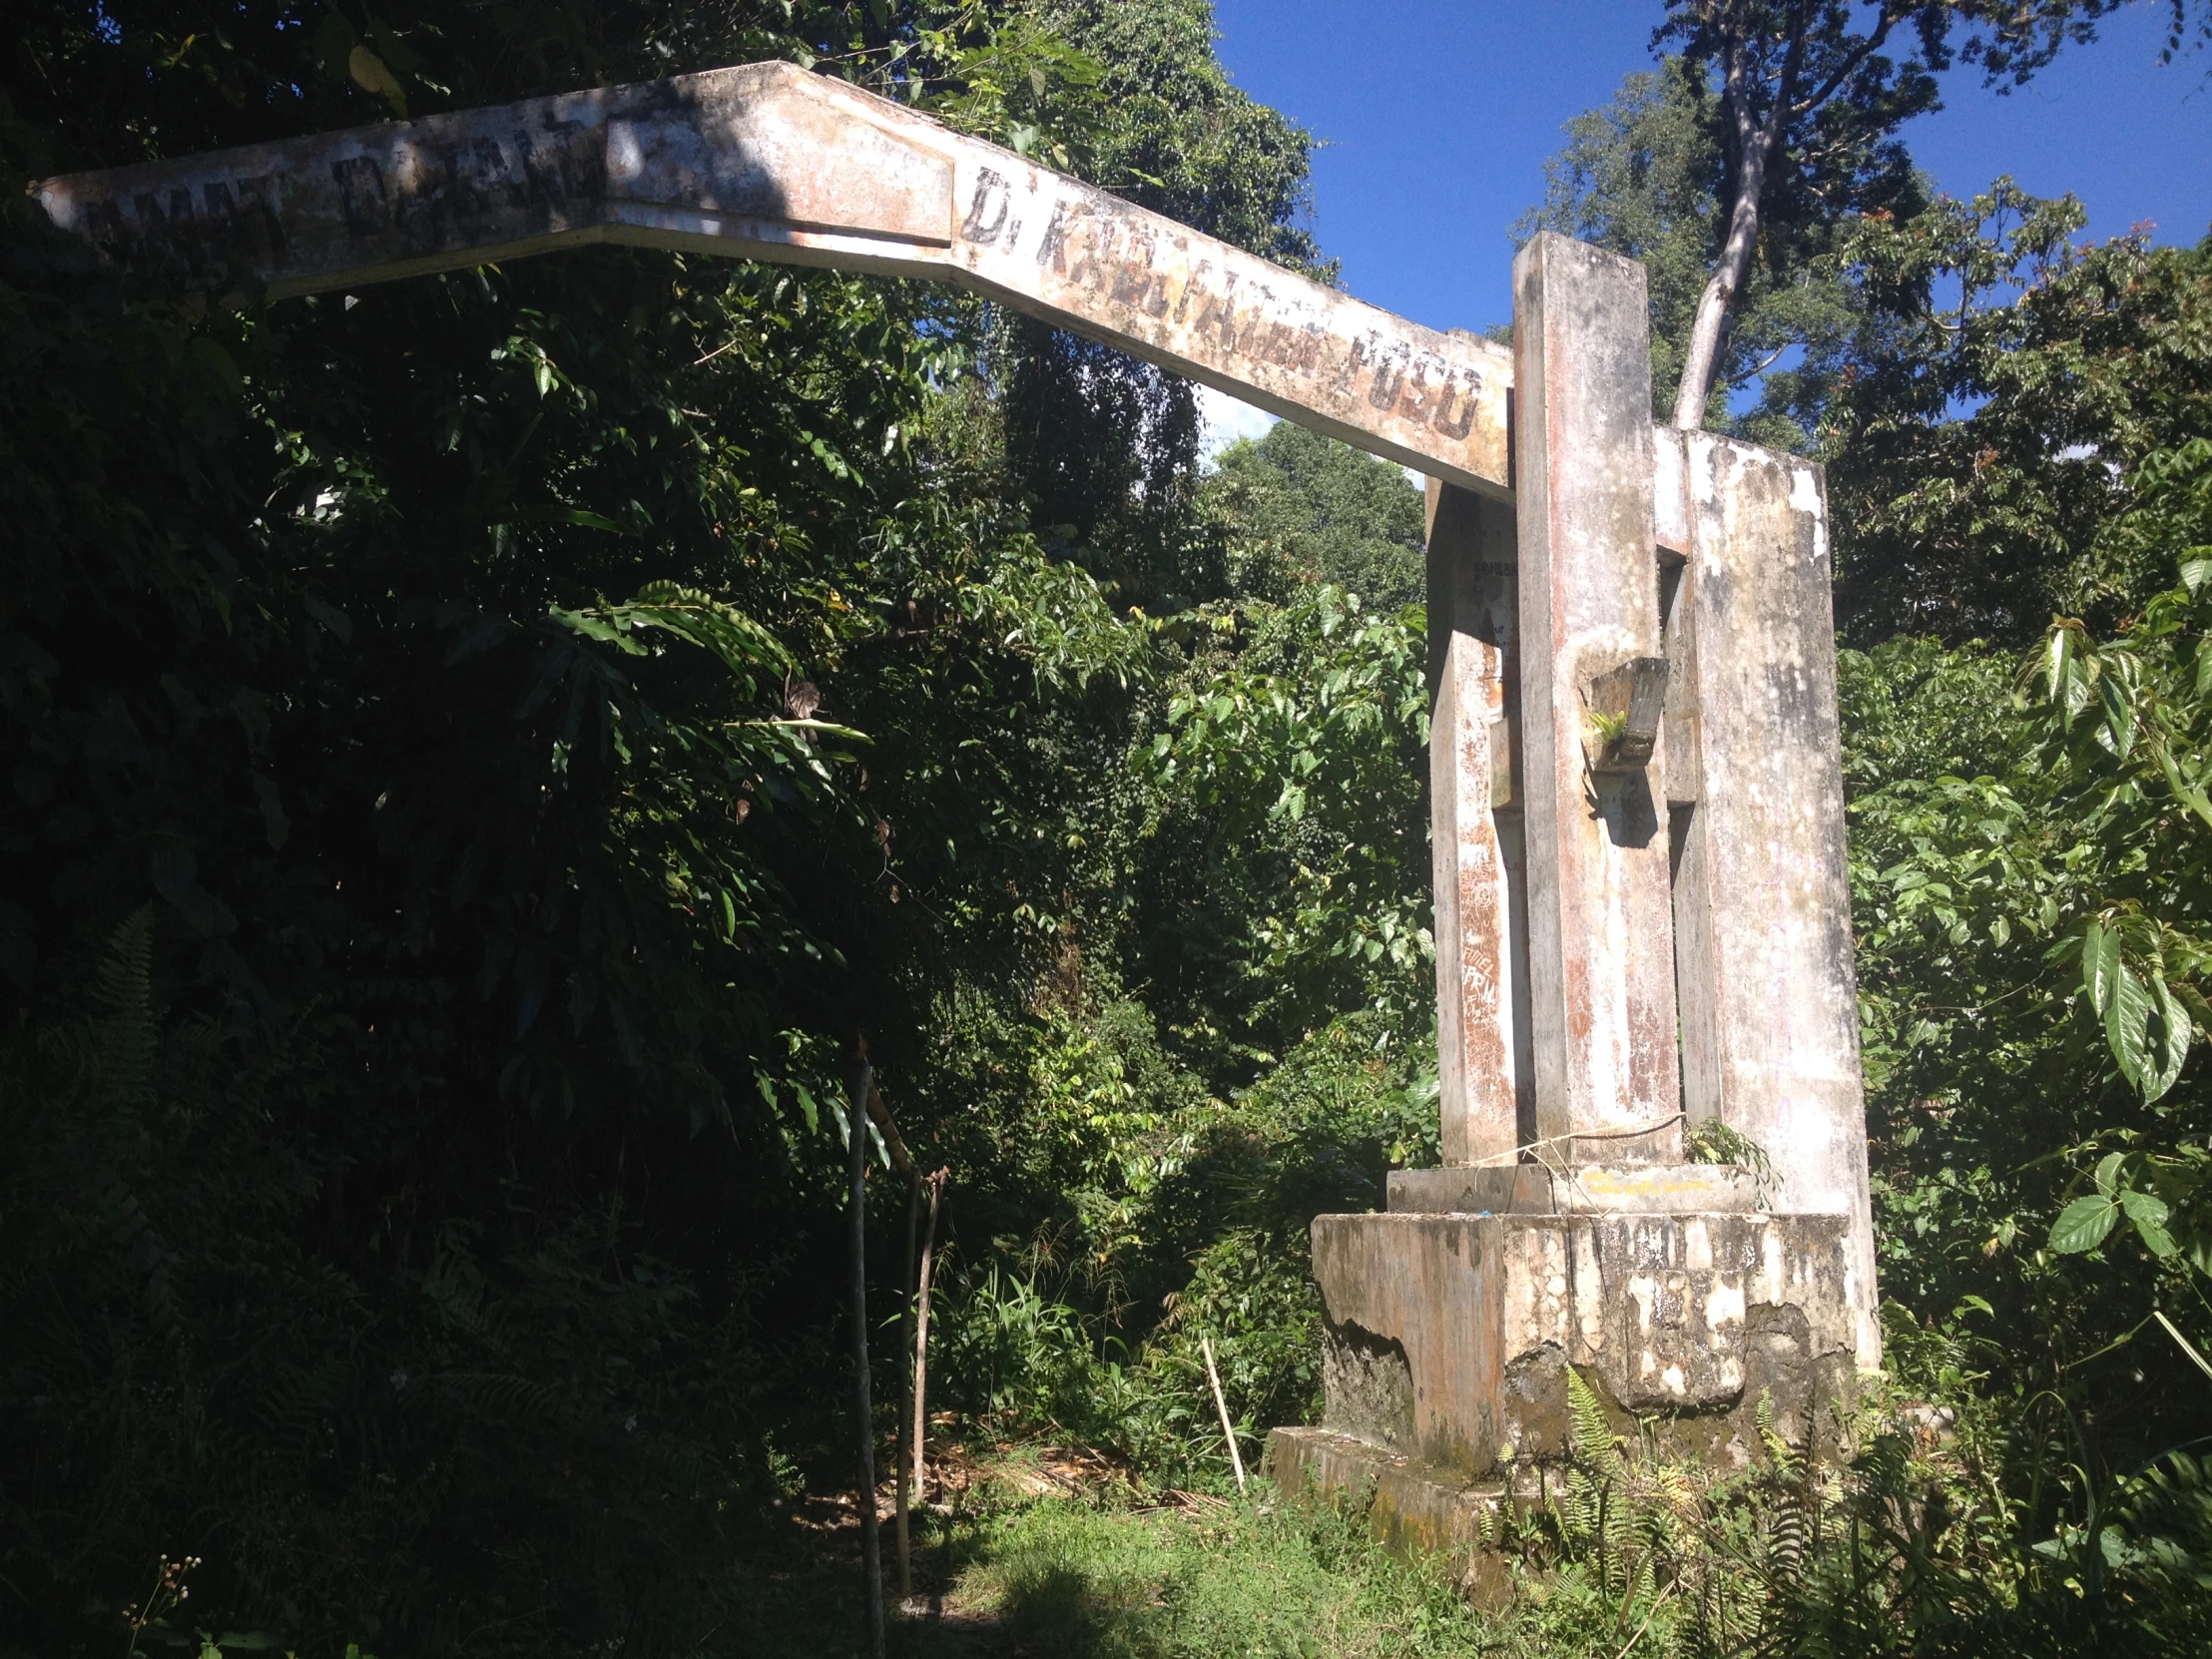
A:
[880,1113]
[1221,1404]
[872,1551]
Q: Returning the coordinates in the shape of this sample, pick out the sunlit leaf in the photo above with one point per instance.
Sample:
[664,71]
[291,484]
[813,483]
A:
[2127,1026]
[2083,1225]
[2169,1047]
[2058,653]
[2149,1215]
[2119,714]
[372,75]
[2100,964]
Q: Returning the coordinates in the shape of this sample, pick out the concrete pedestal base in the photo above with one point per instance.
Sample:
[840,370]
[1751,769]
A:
[1448,1337]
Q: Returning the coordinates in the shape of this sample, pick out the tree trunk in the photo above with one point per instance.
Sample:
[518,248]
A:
[1757,143]
[1702,360]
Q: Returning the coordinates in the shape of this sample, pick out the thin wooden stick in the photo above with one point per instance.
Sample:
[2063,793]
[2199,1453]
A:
[1651,1613]
[922,1338]
[905,1389]
[871,1549]
[1221,1404]
[880,1113]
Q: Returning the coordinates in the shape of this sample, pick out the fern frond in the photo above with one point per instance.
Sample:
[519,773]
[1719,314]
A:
[1596,1447]
[499,1395]
[1789,1540]
[1785,1463]
[129,1037]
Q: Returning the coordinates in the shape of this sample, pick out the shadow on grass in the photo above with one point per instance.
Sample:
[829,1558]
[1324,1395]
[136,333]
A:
[1065,1612]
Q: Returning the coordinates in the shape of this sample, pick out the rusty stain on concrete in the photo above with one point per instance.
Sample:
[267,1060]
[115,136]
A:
[1485,1063]
[1529,1188]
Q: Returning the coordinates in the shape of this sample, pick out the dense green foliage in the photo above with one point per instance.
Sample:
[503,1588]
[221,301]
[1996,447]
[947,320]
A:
[2031,902]
[477,749]
[1307,509]
[2003,394]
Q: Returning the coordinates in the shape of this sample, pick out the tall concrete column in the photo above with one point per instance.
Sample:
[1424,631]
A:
[1768,992]
[1484,1067]
[1600,930]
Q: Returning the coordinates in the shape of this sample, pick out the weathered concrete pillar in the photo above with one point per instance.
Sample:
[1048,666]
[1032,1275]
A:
[1600,934]
[1484,1067]
[1768,992]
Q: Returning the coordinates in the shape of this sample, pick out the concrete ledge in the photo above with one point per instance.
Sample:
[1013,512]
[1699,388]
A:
[1534,1190]
[1322,1462]
[1414,1509]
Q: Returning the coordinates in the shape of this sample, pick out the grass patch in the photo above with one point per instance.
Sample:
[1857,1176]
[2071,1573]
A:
[1099,1568]
[1107,1578]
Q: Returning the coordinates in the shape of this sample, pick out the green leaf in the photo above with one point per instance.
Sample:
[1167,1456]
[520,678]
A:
[329,618]
[372,75]
[2083,1225]
[2119,714]
[2170,1045]
[572,515]
[2127,1026]
[2149,1214]
[2100,961]
[211,354]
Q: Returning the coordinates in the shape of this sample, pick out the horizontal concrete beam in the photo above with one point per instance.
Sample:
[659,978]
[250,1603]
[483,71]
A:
[767,162]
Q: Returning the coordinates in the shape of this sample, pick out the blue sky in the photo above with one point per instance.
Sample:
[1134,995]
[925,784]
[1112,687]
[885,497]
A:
[1438,116]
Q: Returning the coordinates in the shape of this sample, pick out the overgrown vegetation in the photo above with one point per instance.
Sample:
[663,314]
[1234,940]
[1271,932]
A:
[1914,1549]
[477,748]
